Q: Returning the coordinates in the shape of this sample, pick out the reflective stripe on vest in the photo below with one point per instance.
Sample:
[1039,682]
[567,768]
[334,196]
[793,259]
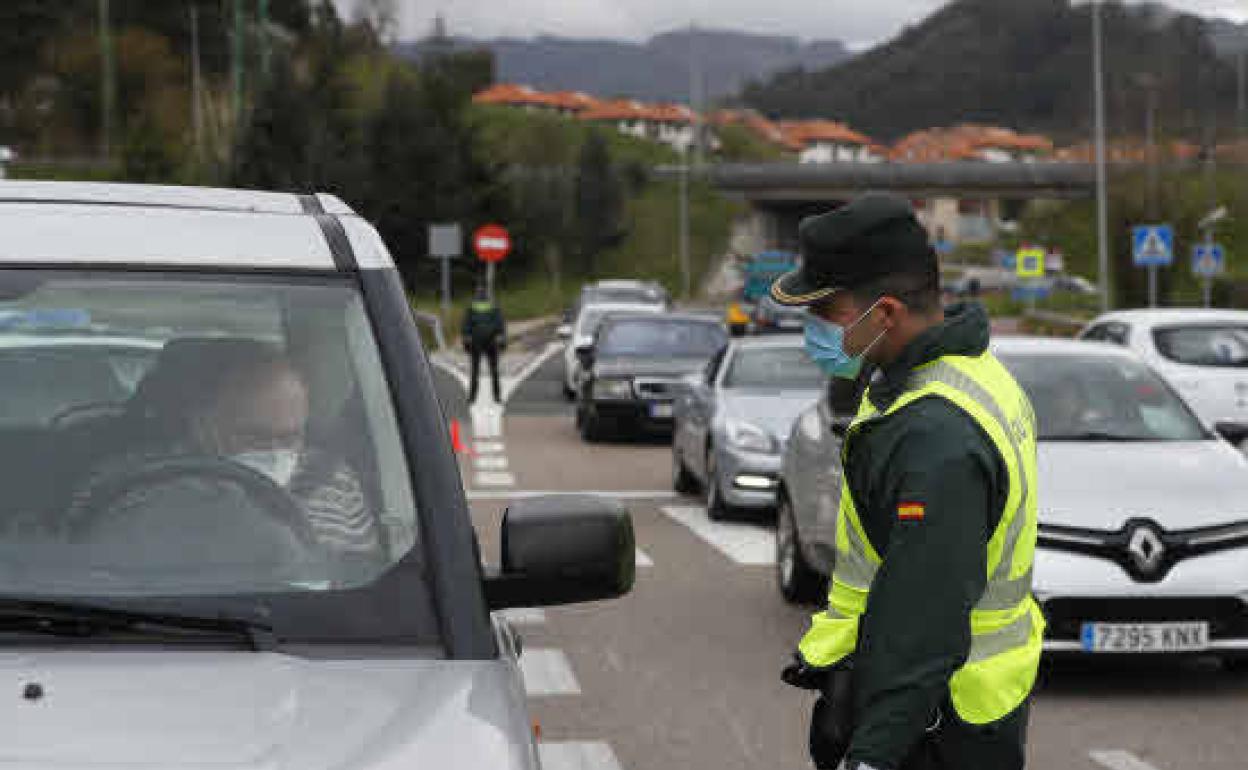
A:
[1007,627]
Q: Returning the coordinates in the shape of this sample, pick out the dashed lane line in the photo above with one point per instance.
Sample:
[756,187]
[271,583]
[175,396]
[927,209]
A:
[1117,759]
[490,462]
[578,755]
[548,672]
[743,543]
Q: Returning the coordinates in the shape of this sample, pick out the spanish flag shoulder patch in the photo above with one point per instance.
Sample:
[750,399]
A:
[911,511]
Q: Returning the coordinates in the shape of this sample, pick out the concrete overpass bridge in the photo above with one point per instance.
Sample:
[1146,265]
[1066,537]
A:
[958,202]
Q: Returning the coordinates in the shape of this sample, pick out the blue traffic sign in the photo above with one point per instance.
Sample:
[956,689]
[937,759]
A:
[1152,245]
[1208,262]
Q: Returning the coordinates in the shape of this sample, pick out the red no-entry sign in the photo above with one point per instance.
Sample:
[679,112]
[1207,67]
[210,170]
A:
[491,243]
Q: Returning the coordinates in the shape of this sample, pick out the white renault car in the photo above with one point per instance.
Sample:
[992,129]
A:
[232,530]
[1143,539]
[1203,353]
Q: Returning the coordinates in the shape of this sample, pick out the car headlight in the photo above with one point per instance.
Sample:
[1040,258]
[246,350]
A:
[613,389]
[750,437]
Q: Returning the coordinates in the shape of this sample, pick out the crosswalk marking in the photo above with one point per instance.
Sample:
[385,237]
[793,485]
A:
[490,463]
[1117,759]
[743,543]
[641,559]
[618,494]
[548,672]
[524,616]
[489,447]
[577,755]
[495,479]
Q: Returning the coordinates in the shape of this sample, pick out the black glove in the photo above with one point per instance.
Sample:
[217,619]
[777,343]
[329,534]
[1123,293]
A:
[832,722]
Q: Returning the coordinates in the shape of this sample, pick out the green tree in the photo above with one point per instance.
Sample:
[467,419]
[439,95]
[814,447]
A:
[598,218]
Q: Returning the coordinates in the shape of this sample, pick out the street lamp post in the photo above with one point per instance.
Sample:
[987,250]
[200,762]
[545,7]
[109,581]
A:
[1102,202]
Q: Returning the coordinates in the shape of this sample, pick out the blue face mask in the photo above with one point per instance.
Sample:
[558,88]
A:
[825,344]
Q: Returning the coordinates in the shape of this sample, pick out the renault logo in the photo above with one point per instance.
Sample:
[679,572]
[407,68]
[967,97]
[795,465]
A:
[1146,549]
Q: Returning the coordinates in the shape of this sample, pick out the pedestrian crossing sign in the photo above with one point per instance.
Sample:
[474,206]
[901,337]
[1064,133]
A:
[1152,245]
[1029,262]
[1207,261]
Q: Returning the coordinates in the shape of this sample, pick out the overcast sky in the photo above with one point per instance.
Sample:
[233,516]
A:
[854,21]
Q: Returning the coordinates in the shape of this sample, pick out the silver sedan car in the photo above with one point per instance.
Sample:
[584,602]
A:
[1143,541]
[731,422]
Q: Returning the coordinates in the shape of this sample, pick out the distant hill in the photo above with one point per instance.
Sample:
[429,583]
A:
[1023,64]
[657,70]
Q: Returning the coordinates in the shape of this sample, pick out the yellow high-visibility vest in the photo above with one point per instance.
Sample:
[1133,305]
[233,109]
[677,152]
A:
[1007,627]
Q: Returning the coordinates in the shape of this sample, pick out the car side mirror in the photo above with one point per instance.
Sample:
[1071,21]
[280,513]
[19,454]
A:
[1234,432]
[585,355]
[563,331]
[563,549]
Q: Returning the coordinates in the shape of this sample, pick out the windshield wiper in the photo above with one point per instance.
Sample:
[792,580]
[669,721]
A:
[1096,435]
[78,619]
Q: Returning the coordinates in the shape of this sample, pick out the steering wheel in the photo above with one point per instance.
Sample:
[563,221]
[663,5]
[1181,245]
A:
[276,503]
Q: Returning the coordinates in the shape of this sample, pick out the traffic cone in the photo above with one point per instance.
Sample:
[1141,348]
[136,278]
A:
[457,439]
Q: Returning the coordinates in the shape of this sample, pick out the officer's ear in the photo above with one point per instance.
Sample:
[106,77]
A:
[892,311]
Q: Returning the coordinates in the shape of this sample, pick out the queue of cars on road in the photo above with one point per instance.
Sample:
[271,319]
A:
[1143,532]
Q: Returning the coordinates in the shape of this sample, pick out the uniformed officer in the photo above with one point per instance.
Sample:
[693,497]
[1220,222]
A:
[484,334]
[927,652]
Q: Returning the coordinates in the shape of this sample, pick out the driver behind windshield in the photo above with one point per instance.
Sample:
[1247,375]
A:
[251,407]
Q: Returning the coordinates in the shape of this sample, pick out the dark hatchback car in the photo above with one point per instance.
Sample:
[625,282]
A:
[637,366]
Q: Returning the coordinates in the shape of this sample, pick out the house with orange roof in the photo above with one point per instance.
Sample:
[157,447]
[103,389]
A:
[969,142]
[758,125]
[672,124]
[827,141]
[568,103]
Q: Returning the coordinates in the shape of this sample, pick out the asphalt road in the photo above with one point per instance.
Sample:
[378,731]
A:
[683,673]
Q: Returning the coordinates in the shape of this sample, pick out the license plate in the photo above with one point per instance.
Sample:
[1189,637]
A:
[661,411]
[1145,637]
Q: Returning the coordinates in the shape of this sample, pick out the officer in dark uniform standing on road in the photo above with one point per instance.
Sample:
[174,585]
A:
[927,652]
[484,334]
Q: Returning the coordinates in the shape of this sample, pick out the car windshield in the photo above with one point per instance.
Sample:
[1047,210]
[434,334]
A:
[181,438]
[773,369]
[662,338]
[1222,345]
[1090,398]
[639,294]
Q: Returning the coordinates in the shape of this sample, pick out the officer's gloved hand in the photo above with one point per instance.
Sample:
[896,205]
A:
[831,722]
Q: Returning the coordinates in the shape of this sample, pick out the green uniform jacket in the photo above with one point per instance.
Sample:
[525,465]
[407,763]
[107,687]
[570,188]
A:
[916,630]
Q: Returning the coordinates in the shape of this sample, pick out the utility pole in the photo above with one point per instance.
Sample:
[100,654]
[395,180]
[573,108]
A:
[108,78]
[236,60]
[1150,133]
[197,86]
[1102,197]
[264,41]
[685,277]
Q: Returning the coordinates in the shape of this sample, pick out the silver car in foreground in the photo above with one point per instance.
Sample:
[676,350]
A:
[731,422]
[1143,542]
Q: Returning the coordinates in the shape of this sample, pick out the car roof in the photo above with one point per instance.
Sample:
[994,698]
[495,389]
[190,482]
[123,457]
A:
[1162,316]
[678,318]
[88,223]
[1056,346]
[769,341]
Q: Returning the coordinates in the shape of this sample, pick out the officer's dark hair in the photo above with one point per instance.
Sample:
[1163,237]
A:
[918,290]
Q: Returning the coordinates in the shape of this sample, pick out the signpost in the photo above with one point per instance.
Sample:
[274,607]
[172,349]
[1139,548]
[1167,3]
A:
[1208,261]
[445,243]
[1030,268]
[1152,246]
[492,243]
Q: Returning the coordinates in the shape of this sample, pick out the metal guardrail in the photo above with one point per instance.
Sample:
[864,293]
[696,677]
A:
[433,322]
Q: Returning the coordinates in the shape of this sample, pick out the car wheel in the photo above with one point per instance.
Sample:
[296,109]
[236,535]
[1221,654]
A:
[682,480]
[568,393]
[717,508]
[798,581]
[593,428]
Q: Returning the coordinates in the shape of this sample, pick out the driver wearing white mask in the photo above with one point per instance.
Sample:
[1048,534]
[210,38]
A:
[258,418]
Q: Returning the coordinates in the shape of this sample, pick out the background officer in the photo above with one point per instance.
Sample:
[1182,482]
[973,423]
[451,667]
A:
[927,652]
[484,334]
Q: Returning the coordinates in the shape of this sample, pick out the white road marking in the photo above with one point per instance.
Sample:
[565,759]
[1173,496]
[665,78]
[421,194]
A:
[490,462]
[548,672]
[487,420]
[495,479]
[524,616]
[641,559]
[618,494]
[577,755]
[1116,759]
[743,543]
[489,447]
[511,383]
